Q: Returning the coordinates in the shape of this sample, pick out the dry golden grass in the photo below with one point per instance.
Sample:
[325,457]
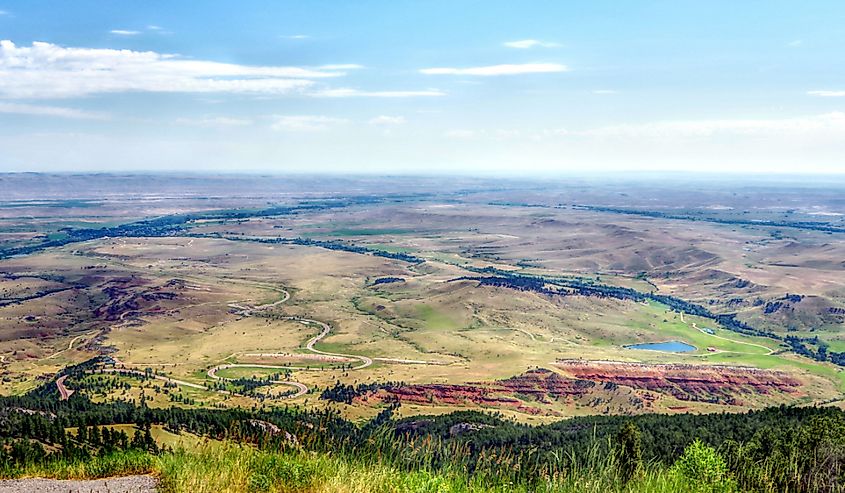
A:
[475,334]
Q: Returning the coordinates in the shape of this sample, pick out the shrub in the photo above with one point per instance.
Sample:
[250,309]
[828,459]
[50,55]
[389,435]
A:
[703,467]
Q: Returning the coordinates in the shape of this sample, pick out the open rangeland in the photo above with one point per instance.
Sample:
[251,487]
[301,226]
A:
[438,300]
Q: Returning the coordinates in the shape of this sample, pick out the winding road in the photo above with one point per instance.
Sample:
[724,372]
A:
[703,331]
[70,345]
[63,391]
[301,389]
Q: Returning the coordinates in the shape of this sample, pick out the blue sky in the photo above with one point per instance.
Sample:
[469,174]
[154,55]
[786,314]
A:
[434,86]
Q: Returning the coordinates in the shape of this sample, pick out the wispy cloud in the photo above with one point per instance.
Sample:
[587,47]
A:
[524,44]
[306,123]
[827,94]
[212,122]
[153,28]
[58,111]
[356,93]
[464,134]
[296,36]
[795,43]
[46,70]
[3,12]
[341,66]
[497,134]
[494,70]
[385,120]
[822,124]
[129,32]
[826,125]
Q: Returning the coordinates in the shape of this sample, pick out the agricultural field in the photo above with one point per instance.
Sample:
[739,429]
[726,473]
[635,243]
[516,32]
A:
[512,297]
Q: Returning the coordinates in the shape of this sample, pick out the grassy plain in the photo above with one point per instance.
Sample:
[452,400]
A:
[431,328]
[181,305]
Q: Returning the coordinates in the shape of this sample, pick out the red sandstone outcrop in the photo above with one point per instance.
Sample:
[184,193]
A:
[705,383]
[594,383]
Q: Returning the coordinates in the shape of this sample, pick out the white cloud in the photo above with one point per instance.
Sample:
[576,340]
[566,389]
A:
[387,120]
[342,66]
[508,133]
[152,28]
[530,43]
[297,36]
[212,122]
[827,94]
[31,109]
[306,123]
[821,126]
[45,70]
[3,12]
[827,124]
[464,134]
[356,93]
[492,70]
[795,43]
[499,134]
[124,32]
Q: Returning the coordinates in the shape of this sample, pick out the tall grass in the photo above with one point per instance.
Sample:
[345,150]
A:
[123,462]
[240,468]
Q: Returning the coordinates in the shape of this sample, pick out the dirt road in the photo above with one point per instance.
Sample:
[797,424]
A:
[127,484]
[302,389]
[703,331]
[70,344]
[245,310]
[64,391]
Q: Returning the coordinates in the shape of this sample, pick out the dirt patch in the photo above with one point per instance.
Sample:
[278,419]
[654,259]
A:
[128,484]
[129,296]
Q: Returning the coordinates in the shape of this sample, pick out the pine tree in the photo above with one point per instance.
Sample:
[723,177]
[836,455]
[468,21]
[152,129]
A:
[629,451]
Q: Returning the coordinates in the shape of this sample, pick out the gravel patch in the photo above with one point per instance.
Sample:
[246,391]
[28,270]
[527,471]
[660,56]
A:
[128,484]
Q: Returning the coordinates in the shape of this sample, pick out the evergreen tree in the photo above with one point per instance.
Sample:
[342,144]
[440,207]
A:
[629,451]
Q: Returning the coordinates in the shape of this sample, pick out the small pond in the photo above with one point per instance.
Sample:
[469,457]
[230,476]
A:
[667,346]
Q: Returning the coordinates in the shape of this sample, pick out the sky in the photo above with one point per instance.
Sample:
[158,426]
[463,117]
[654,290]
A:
[406,87]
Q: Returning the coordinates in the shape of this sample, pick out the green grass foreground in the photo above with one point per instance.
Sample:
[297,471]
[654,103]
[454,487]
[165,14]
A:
[238,468]
[783,449]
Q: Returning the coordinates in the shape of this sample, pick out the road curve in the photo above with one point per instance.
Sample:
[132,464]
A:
[248,311]
[302,389]
[770,350]
[160,377]
[365,361]
[63,391]
[70,345]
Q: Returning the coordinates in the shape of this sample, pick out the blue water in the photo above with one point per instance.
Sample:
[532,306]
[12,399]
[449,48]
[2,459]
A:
[668,346]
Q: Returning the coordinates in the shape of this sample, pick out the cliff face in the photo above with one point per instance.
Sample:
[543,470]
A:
[599,384]
[540,386]
[705,383]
